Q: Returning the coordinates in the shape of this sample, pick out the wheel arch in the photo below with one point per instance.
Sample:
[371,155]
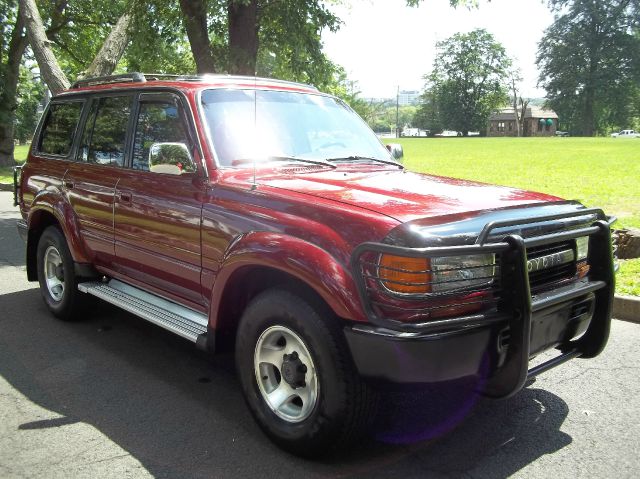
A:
[286,262]
[42,216]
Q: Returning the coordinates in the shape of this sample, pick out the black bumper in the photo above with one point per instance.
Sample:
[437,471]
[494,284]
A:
[397,357]
[575,319]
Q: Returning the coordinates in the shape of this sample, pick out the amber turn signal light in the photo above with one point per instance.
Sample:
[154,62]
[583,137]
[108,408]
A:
[402,274]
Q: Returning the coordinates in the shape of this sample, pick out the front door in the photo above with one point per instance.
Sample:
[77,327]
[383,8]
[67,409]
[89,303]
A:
[158,204]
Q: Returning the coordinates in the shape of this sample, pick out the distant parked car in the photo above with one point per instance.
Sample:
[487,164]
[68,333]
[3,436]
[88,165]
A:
[626,134]
[562,133]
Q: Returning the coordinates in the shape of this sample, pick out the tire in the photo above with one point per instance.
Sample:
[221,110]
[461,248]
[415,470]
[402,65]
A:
[310,423]
[56,275]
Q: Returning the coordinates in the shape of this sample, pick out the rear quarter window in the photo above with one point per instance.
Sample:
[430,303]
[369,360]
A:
[59,128]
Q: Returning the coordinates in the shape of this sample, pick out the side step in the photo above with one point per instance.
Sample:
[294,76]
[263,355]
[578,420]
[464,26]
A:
[182,321]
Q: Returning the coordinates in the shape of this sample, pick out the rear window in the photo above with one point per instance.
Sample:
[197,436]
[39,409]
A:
[59,128]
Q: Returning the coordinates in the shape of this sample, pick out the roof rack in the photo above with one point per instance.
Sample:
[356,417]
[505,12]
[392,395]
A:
[132,77]
[136,77]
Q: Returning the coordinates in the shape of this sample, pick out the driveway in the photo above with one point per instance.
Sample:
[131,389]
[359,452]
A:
[114,396]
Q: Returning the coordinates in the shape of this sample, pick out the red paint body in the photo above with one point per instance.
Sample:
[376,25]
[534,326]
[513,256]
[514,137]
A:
[185,237]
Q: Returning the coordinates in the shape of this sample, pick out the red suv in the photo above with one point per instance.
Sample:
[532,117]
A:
[268,212]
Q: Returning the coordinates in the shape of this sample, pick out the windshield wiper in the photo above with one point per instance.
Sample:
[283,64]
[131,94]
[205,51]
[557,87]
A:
[366,158]
[286,158]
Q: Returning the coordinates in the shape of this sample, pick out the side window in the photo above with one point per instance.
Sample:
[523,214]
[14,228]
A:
[161,142]
[104,138]
[59,128]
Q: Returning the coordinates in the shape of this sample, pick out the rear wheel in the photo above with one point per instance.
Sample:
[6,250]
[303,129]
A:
[56,275]
[297,375]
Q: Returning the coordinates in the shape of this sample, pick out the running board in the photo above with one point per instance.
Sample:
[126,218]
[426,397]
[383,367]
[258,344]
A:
[182,321]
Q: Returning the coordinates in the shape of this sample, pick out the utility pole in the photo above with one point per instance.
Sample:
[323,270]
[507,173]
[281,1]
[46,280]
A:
[397,112]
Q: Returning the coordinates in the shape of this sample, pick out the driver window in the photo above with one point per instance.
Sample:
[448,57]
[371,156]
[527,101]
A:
[160,122]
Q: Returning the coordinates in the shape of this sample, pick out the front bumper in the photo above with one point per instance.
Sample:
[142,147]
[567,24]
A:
[575,319]
[402,357]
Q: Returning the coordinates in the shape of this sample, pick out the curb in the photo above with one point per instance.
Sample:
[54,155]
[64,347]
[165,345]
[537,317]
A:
[626,308]
[6,186]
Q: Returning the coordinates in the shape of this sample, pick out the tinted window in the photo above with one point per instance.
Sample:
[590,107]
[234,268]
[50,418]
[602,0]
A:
[105,134]
[59,128]
[158,122]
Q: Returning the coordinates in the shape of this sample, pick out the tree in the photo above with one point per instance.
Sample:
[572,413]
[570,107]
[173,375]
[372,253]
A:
[271,37]
[13,28]
[104,62]
[468,80]
[589,62]
[427,115]
[195,22]
[518,103]
[244,29]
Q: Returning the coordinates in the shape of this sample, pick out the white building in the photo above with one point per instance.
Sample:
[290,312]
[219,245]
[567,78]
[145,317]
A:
[408,97]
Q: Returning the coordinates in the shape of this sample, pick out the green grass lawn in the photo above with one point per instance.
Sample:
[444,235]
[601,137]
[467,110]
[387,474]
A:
[6,172]
[603,172]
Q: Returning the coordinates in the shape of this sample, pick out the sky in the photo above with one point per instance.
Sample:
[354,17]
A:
[384,44]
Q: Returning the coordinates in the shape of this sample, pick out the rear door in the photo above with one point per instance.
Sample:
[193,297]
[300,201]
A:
[90,181]
[159,202]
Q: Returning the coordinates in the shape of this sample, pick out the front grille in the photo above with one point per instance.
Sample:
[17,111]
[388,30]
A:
[550,277]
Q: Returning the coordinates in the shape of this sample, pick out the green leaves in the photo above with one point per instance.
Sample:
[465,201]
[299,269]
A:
[467,82]
[589,64]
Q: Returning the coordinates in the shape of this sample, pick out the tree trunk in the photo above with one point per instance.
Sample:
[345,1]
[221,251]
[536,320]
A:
[243,36]
[51,72]
[8,96]
[112,49]
[195,22]
[514,91]
[588,118]
[520,117]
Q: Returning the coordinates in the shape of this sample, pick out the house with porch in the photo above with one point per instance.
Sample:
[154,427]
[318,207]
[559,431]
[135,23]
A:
[538,121]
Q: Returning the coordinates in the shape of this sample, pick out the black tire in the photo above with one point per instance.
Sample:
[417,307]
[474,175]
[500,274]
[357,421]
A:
[69,305]
[345,404]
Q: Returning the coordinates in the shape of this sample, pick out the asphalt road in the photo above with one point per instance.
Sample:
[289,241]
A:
[113,396]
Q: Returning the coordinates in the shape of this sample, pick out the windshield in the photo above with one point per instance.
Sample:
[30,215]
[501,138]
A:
[257,125]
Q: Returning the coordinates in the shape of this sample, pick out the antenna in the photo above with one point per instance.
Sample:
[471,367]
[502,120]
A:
[255,124]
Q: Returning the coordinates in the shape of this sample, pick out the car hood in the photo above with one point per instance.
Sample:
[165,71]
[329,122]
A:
[400,194]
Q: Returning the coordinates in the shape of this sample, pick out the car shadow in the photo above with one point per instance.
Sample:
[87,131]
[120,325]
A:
[182,414]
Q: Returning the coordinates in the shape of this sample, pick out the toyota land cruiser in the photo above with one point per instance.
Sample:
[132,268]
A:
[268,212]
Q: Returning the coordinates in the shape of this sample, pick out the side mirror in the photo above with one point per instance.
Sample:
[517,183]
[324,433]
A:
[170,158]
[396,150]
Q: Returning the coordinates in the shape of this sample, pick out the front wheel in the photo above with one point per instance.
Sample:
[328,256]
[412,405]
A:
[56,275]
[297,375]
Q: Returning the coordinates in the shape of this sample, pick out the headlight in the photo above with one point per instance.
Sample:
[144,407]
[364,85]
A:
[406,275]
[582,248]
[458,272]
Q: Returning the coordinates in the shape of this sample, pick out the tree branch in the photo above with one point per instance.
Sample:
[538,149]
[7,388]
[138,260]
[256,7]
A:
[53,75]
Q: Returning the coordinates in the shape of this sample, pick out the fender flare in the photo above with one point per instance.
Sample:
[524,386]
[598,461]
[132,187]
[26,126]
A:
[298,258]
[53,203]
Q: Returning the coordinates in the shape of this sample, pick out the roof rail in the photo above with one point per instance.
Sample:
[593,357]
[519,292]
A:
[137,77]
[132,77]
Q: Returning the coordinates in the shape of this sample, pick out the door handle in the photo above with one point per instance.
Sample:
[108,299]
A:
[68,185]
[124,197]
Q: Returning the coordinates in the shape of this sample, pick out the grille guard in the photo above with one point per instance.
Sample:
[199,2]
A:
[517,306]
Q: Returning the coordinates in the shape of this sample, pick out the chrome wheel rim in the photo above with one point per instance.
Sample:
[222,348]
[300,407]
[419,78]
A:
[54,273]
[286,374]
